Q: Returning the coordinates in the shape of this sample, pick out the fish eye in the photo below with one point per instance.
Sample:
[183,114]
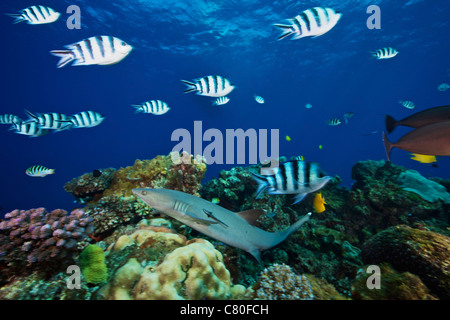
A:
[144,193]
[123,43]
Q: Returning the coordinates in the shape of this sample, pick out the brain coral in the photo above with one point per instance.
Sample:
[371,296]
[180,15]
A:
[195,271]
[161,264]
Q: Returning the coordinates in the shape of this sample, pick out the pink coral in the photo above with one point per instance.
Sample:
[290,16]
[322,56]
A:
[37,236]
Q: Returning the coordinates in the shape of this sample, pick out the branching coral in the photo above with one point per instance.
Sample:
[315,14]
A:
[35,236]
[279,282]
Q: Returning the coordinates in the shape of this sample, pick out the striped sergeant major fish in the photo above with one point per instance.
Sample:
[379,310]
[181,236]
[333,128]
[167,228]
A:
[39,171]
[221,101]
[54,121]
[291,177]
[334,122]
[99,50]
[156,107]
[36,15]
[85,119]
[407,104]
[27,128]
[385,53]
[443,87]
[312,22]
[210,86]
[259,99]
[9,119]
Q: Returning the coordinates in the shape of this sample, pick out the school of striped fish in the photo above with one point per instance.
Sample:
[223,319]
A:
[40,124]
[291,177]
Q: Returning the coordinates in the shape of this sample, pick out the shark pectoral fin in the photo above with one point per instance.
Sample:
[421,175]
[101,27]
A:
[209,214]
[299,197]
[256,253]
[251,215]
[195,219]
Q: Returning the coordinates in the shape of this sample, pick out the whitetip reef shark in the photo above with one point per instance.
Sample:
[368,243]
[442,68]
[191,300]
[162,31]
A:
[235,229]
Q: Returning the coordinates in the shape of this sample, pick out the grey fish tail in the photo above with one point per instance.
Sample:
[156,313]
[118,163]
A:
[262,184]
[287,30]
[18,16]
[191,87]
[66,57]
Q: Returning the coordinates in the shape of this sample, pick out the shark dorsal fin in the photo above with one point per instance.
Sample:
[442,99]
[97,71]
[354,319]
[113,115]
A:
[251,215]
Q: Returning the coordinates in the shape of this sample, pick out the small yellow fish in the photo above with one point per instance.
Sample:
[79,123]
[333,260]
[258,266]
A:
[422,158]
[215,200]
[319,203]
[288,138]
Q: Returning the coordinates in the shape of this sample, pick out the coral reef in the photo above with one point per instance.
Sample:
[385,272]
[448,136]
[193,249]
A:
[421,252]
[115,205]
[163,259]
[431,191]
[394,285]
[279,282]
[36,238]
[89,186]
[158,263]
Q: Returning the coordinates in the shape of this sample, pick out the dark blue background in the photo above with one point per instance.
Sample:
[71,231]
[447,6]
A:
[176,40]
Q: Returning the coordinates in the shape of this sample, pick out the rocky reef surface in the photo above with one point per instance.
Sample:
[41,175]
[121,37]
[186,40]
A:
[391,218]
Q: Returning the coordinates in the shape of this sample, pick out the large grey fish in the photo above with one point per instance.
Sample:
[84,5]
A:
[234,229]
[292,177]
[433,139]
[420,119]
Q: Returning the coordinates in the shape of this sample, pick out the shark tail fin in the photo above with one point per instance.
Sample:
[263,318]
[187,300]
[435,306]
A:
[296,225]
[262,184]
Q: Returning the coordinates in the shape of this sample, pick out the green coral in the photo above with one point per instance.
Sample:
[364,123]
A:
[93,266]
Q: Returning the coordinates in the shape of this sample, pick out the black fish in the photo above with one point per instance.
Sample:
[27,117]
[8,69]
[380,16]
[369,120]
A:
[96,173]
[420,119]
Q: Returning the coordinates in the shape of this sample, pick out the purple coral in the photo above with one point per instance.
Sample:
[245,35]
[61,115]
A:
[37,236]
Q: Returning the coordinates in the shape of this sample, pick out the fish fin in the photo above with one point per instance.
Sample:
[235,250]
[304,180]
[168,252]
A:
[66,56]
[287,30]
[262,184]
[209,214]
[298,224]
[31,115]
[191,87]
[18,16]
[195,219]
[138,108]
[387,146]
[299,197]
[256,254]
[391,123]
[251,215]
[269,171]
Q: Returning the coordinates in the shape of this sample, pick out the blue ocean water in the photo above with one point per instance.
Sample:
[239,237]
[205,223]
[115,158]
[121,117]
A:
[176,40]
